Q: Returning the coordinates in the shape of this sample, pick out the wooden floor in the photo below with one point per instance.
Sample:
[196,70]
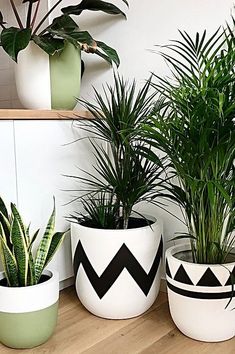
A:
[153,333]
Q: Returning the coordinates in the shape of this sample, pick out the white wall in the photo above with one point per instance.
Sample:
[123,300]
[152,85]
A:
[33,156]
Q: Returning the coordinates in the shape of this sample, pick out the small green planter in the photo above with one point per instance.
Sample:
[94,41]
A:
[28,315]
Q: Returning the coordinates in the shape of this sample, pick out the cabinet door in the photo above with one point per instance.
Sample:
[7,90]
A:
[45,153]
[7,163]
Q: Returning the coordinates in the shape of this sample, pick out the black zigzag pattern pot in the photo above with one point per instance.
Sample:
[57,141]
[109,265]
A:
[201,297]
[117,272]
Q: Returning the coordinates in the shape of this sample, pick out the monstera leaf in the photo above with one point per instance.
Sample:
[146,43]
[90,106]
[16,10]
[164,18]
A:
[14,40]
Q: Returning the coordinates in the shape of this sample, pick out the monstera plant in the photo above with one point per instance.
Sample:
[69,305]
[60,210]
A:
[63,28]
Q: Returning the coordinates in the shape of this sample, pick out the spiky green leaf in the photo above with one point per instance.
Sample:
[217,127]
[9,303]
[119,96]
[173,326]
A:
[9,264]
[20,251]
[44,246]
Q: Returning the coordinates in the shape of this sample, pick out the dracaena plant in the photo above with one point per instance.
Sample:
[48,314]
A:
[53,38]
[122,177]
[194,125]
[21,266]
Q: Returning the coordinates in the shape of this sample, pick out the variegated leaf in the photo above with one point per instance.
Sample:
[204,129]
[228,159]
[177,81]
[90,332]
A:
[20,251]
[44,246]
[9,264]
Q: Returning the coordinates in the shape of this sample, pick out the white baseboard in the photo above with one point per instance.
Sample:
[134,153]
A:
[66,283]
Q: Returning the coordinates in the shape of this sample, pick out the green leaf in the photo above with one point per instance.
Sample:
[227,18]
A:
[6,227]
[49,44]
[14,40]
[83,37]
[9,264]
[17,216]
[3,208]
[93,5]
[56,241]
[63,23]
[110,54]
[20,251]
[44,246]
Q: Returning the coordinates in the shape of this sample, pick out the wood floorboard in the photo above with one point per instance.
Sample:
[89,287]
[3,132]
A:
[79,332]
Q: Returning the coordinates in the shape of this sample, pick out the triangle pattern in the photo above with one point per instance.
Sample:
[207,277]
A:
[209,279]
[182,276]
[229,281]
[168,272]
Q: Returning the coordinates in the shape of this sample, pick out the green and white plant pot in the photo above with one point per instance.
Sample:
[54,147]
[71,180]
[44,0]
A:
[200,296]
[28,315]
[117,272]
[48,82]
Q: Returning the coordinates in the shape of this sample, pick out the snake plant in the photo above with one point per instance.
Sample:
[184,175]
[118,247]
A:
[21,266]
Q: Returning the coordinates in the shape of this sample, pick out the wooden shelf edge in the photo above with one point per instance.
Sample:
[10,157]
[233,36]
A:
[29,114]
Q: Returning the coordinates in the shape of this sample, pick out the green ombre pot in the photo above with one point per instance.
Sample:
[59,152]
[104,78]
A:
[28,315]
[48,82]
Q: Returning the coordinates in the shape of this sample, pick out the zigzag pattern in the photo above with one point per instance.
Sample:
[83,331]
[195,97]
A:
[123,259]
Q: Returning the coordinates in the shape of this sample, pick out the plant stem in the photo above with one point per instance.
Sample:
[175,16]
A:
[46,16]
[29,15]
[16,14]
[35,14]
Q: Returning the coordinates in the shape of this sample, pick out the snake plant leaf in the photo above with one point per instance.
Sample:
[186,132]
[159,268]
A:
[20,251]
[109,54]
[5,225]
[9,264]
[56,241]
[33,238]
[44,246]
[17,215]
[3,208]
[31,270]
[49,44]
[93,5]
[14,40]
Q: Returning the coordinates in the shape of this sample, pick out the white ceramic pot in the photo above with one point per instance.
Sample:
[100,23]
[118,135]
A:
[117,272]
[28,315]
[48,82]
[198,295]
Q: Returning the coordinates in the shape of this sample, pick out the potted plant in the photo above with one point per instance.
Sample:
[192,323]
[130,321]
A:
[29,293]
[48,72]
[194,125]
[117,250]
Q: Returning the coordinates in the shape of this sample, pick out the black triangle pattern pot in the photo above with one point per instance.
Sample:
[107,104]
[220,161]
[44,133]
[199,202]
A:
[201,296]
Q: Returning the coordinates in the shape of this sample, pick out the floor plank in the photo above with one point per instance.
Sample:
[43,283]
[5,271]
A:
[79,332]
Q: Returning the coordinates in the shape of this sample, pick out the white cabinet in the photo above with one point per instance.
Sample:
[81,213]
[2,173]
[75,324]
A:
[8,189]
[36,156]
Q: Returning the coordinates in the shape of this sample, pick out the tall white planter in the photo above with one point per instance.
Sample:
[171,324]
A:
[198,297]
[117,272]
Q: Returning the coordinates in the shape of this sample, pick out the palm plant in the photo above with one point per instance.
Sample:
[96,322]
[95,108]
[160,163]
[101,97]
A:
[53,38]
[123,176]
[21,267]
[194,125]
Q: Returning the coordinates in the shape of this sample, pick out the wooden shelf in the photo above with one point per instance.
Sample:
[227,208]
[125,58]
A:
[24,114]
